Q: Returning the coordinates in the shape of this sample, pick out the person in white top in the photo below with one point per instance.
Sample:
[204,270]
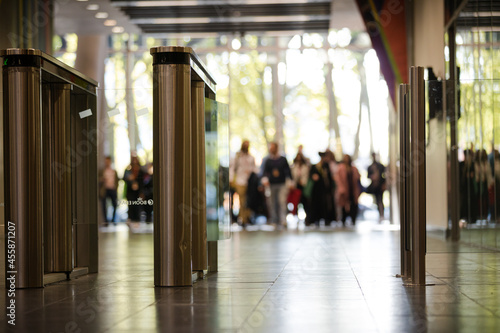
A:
[240,169]
[108,180]
[300,176]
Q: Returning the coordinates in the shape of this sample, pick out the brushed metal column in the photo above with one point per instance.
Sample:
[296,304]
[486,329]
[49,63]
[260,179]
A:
[23,171]
[418,174]
[47,156]
[199,225]
[84,188]
[60,182]
[57,226]
[172,192]
[404,179]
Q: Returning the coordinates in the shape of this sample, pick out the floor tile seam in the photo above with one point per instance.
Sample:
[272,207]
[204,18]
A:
[374,319]
[58,301]
[269,288]
[62,283]
[128,317]
[458,291]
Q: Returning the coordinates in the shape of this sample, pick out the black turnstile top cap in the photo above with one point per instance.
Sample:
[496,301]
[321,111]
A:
[176,49]
[9,52]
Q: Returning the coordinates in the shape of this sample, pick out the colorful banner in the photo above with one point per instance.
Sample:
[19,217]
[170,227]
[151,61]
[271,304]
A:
[385,22]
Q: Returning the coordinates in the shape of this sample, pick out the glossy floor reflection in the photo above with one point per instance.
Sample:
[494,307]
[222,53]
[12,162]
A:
[314,280]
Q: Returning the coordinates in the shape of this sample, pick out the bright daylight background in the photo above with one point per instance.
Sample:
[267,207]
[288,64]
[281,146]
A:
[262,79]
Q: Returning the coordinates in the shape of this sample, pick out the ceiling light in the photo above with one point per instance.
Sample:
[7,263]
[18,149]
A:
[82,0]
[92,7]
[101,15]
[110,23]
[118,30]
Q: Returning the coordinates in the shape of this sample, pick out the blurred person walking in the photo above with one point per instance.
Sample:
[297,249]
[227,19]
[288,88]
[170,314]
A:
[322,202]
[348,189]
[108,181]
[147,192]
[300,176]
[276,171]
[240,169]
[134,178]
[376,173]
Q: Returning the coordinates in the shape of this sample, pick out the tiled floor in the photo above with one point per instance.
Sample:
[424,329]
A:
[318,280]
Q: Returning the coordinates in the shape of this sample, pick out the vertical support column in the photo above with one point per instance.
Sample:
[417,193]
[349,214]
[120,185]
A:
[213,260]
[417,142]
[23,168]
[200,255]
[58,245]
[83,171]
[451,107]
[172,165]
[405,165]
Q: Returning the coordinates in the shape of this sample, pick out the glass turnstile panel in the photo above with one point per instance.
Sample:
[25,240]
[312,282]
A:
[116,137]
[217,170]
[478,138]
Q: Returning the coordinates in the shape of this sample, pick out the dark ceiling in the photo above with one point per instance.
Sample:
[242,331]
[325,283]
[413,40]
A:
[479,13]
[216,16]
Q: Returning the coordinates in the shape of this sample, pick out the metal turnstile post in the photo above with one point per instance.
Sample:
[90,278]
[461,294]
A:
[172,164]
[23,173]
[405,166]
[58,238]
[418,185]
[200,255]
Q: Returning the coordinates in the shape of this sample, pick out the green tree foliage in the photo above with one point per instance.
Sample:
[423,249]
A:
[479,124]
[251,112]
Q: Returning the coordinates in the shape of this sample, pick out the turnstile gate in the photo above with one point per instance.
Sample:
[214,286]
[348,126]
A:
[412,177]
[50,153]
[187,220]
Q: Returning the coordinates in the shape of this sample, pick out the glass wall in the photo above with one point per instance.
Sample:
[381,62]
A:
[477,83]
[316,90]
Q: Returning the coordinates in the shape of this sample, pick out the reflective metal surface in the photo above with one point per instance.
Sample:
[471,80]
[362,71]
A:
[23,173]
[417,142]
[58,246]
[405,168]
[199,226]
[172,164]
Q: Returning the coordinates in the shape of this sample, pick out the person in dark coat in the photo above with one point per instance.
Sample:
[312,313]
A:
[276,173]
[134,177]
[148,192]
[256,197]
[467,174]
[322,203]
[376,173]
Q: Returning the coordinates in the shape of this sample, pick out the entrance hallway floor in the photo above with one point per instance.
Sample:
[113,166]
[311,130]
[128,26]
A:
[319,280]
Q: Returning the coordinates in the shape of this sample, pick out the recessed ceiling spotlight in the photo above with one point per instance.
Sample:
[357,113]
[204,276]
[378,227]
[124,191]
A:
[92,7]
[110,23]
[118,30]
[101,15]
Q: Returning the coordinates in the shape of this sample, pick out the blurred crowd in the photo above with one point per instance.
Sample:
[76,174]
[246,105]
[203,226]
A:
[137,191]
[479,181]
[327,191]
